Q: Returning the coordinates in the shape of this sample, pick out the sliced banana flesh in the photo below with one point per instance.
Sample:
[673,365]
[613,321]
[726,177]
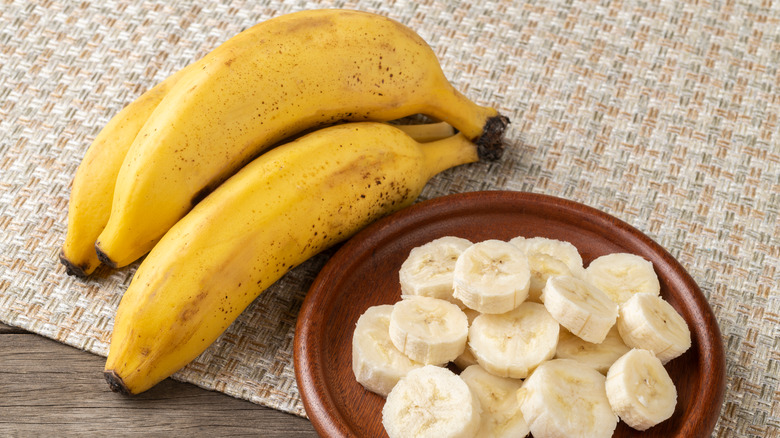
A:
[561,332]
[640,390]
[566,399]
[543,266]
[559,249]
[428,330]
[512,344]
[599,356]
[377,364]
[582,308]
[431,402]
[492,276]
[501,416]
[427,271]
[648,322]
[621,275]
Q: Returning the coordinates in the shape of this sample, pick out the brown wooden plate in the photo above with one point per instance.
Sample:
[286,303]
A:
[364,273]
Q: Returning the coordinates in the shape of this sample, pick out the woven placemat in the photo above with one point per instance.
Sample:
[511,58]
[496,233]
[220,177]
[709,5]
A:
[662,113]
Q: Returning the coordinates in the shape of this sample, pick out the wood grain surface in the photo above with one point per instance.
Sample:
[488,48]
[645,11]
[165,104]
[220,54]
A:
[50,389]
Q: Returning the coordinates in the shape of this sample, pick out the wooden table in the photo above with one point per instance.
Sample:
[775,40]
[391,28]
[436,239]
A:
[50,389]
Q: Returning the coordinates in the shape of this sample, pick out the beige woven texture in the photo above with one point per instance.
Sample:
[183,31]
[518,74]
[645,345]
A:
[662,113]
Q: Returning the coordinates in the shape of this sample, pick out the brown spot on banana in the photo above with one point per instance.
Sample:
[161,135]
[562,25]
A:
[188,313]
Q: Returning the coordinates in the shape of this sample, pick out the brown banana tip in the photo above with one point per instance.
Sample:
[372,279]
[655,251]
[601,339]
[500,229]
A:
[103,257]
[71,268]
[115,382]
[490,146]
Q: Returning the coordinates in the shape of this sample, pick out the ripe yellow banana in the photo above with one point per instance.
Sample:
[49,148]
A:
[93,185]
[89,206]
[280,77]
[282,208]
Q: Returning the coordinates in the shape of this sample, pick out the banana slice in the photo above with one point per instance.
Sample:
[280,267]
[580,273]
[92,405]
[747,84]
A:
[582,308]
[431,402]
[467,358]
[599,356]
[640,390]
[492,276]
[377,364]
[501,416]
[512,344]
[564,398]
[559,249]
[427,271]
[543,266]
[648,322]
[428,330]
[622,275]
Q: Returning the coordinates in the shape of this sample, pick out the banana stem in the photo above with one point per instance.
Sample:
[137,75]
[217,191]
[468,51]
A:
[426,132]
[452,151]
[491,142]
[465,115]
[482,125]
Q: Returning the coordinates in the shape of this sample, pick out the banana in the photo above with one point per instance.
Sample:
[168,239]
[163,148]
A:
[427,271]
[600,356]
[543,266]
[431,402]
[501,416]
[428,330]
[512,344]
[491,277]
[89,206]
[559,249]
[566,399]
[425,132]
[648,322]
[376,363]
[622,275]
[582,308]
[277,212]
[285,75]
[640,390]
[93,186]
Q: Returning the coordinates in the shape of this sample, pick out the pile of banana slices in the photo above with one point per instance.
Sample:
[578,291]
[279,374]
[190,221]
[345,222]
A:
[542,344]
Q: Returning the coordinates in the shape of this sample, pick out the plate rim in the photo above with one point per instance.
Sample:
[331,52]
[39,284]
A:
[317,401]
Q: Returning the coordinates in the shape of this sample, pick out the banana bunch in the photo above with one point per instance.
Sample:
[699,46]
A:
[298,72]
[568,360]
[281,142]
